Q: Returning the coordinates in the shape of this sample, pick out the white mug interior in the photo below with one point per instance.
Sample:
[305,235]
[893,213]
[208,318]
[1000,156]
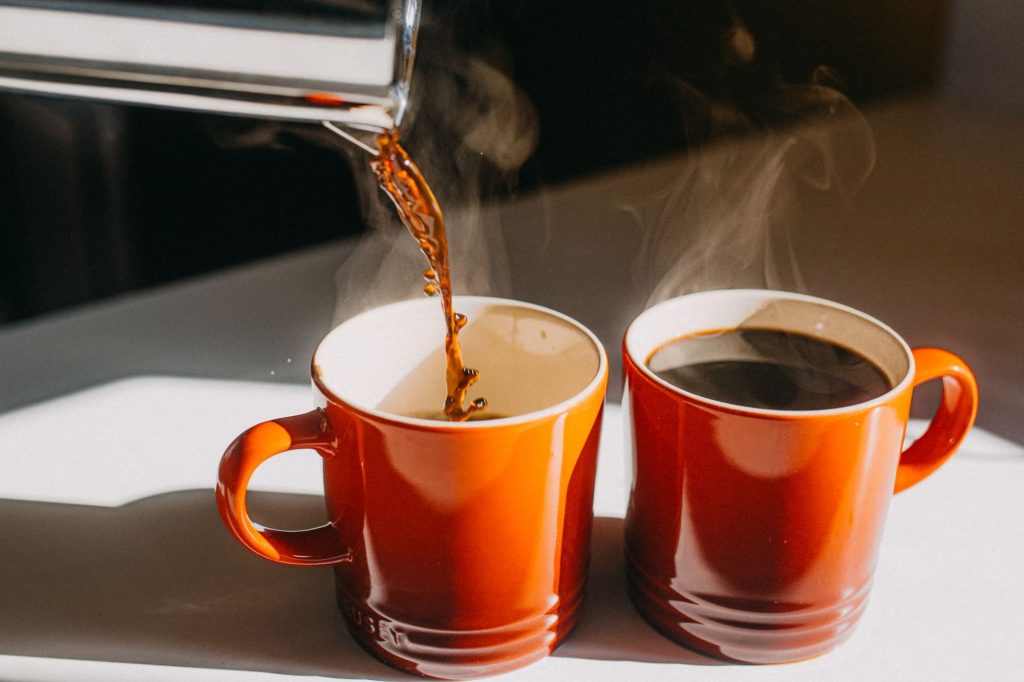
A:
[391,360]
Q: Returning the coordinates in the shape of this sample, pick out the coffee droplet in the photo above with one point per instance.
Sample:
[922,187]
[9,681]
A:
[429,274]
[430,289]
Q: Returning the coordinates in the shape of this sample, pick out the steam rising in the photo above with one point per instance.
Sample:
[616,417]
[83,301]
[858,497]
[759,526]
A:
[720,215]
[722,218]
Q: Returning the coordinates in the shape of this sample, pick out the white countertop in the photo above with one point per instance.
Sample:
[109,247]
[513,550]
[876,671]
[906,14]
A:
[115,565]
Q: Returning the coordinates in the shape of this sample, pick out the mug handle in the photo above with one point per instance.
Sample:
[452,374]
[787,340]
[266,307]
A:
[952,420]
[318,546]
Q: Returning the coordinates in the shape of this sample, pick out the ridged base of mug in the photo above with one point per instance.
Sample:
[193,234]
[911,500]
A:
[745,631]
[459,654]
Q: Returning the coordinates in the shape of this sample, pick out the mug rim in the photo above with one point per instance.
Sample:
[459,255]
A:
[599,378]
[765,295]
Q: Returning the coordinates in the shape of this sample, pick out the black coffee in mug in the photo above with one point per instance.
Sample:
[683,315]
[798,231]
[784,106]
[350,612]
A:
[769,369]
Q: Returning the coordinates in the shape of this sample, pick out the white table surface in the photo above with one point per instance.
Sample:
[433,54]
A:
[115,565]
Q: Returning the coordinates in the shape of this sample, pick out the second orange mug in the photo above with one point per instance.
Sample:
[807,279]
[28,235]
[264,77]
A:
[752,532]
[459,549]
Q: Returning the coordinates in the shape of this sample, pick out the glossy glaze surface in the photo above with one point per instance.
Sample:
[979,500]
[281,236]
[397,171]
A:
[754,536]
[457,553]
[459,549]
[469,549]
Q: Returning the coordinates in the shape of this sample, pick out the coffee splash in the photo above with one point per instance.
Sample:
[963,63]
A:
[420,212]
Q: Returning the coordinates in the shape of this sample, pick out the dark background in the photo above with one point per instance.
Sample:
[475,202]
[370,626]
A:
[99,199]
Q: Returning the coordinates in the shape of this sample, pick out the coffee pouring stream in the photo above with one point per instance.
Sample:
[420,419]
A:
[346,61]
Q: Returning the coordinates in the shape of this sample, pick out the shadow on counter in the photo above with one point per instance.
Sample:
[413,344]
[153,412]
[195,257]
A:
[159,581]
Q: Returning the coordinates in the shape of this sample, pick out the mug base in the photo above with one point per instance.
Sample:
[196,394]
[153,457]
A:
[746,636]
[458,654]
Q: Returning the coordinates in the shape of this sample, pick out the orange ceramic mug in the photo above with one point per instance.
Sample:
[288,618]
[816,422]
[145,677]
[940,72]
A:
[459,549]
[752,532]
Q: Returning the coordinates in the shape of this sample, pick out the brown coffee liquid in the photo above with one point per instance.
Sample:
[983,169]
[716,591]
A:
[439,415]
[403,182]
[770,369]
